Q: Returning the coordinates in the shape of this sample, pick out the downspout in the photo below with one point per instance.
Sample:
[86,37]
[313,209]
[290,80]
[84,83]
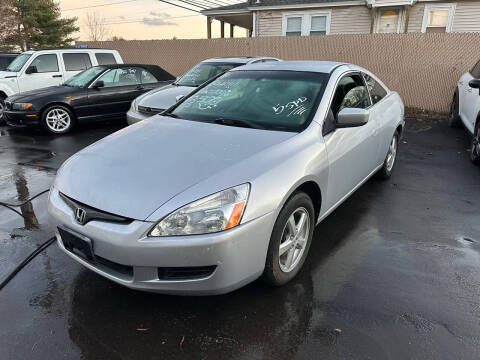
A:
[254,31]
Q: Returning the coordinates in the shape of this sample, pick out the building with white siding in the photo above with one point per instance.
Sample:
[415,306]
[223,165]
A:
[325,17]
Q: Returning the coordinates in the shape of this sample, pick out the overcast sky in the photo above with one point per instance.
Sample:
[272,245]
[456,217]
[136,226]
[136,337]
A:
[143,19]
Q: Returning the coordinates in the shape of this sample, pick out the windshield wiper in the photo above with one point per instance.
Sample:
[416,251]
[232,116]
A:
[169,114]
[236,122]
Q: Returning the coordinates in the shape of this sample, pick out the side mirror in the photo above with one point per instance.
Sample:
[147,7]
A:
[31,70]
[99,84]
[474,84]
[179,97]
[352,117]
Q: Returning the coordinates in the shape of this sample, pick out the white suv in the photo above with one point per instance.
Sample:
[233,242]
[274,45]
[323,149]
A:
[465,108]
[38,69]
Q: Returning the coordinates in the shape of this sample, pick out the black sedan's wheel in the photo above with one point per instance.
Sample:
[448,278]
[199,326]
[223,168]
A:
[386,171]
[290,240]
[2,110]
[58,119]
[453,116]
[475,148]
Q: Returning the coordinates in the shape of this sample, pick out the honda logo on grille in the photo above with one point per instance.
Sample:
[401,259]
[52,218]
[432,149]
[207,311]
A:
[80,216]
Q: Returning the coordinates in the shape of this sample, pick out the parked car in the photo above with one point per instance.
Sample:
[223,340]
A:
[161,99]
[99,93]
[6,59]
[229,183]
[38,69]
[465,108]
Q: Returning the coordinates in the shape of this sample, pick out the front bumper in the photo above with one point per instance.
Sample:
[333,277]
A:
[239,254]
[134,117]
[21,118]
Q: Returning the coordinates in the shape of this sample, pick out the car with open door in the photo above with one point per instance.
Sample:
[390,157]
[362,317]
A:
[98,93]
[465,108]
[227,185]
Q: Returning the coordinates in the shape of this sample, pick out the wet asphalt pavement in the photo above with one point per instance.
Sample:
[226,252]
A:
[394,273]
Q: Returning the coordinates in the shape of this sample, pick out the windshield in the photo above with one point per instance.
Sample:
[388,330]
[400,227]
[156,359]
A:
[203,72]
[273,100]
[85,77]
[17,64]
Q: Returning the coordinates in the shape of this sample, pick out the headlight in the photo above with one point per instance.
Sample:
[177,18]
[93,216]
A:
[217,212]
[133,107]
[21,106]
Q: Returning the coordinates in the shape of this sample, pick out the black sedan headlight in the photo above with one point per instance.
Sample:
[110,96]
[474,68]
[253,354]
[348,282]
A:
[22,106]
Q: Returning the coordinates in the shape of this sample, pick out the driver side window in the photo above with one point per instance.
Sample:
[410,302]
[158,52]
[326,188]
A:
[351,92]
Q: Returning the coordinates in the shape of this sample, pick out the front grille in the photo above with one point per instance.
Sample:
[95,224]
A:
[185,273]
[149,111]
[92,213]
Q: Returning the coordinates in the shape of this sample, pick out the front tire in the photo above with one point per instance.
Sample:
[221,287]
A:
[386,171]
[475,147]
[2,110]
[290,240]
[58,119]
[454,120]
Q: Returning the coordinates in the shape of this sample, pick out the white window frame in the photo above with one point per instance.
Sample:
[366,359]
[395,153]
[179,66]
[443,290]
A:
[451,13]
[401,18]
[307,20]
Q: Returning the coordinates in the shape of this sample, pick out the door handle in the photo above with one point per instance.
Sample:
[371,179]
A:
[140,87]
[57,76]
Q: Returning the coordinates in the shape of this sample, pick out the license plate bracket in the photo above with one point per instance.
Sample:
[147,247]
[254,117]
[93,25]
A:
[77,244]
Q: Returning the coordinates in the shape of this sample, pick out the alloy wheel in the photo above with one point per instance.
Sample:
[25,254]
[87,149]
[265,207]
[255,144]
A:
[2,110]
[58,120]
[294,240]
[392,153]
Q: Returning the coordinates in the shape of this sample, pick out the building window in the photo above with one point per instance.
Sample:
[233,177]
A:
[388,21]
[294,26]
[304,24]
[438,18]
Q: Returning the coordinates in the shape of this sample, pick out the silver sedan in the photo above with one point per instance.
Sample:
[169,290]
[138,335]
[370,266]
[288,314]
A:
[227,185]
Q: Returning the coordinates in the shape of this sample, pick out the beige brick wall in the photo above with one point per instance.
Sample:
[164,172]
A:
[423,68]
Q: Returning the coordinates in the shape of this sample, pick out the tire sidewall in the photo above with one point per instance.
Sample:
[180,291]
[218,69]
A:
[64,108]
[475,157]
[2,116]
[273,274]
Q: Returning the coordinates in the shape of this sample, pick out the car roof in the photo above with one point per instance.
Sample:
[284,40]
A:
[70,50]
[297,65]
[156,70]
[238,59]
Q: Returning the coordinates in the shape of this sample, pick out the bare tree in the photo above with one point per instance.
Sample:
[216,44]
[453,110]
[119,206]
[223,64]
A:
[95,23]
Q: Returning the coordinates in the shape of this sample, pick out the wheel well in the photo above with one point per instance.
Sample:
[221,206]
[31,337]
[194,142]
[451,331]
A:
[3,95]
[313,190]
[61,104]
[400,130]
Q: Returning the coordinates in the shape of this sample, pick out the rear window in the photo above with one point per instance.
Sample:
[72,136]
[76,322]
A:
[105,58]
[77,61]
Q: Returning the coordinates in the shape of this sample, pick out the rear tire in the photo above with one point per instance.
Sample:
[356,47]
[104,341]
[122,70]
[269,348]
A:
[475,147]
[57,119]
[390,159]
[454,120]
[290,240]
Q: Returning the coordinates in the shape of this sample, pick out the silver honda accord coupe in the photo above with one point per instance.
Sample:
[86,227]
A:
[228,184]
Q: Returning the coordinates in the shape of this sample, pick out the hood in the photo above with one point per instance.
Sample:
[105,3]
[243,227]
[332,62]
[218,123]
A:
[39,93]
[4,74]
[134,171]
[164,97]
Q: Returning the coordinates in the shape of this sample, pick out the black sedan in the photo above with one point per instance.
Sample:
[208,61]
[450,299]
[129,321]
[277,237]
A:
[99,93]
